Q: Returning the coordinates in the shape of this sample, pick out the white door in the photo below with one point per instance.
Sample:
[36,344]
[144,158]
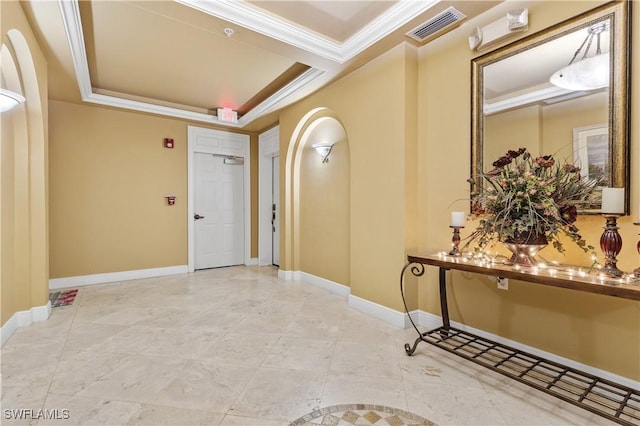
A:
[218,211]
[275,212]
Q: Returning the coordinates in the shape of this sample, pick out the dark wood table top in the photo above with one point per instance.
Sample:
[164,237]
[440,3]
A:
[556,275]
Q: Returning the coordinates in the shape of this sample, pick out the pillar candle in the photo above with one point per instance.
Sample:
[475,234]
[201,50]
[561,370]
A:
[457,218]
[612,200]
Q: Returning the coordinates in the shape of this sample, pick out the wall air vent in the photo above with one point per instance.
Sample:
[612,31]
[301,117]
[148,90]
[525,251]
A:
[445,20]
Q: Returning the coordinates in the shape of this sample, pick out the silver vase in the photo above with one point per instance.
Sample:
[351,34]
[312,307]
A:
[525,249]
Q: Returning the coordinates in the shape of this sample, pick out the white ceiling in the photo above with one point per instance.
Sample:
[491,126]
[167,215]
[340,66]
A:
[522,79]
[533,67]
[174,58]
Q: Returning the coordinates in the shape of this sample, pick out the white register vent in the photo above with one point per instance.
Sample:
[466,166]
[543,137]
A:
[445,20]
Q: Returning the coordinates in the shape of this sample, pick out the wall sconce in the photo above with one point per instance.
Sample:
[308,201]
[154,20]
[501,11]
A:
[171,199]
[324,149]
[9,99]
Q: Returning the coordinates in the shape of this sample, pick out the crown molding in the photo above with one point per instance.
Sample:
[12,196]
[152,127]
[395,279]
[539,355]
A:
[539,93]
[249,16]
[73,27]
[255,19]
[393,18]
[70,12]
[282,95]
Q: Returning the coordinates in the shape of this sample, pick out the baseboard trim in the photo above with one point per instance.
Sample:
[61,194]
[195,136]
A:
[109,277]
[287,275]
[23,319]
[314,280]
[431,321]
[331,286]
[252,262]
[375,310]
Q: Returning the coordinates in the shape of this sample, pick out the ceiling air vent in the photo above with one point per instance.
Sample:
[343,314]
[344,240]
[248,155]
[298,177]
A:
[436,25]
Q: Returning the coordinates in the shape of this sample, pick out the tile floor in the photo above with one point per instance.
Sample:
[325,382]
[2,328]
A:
[238,346]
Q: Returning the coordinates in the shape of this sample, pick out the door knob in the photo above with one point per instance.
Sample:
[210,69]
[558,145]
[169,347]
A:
[197,216]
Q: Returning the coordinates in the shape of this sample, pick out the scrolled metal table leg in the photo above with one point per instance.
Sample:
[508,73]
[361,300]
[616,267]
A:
[417,270]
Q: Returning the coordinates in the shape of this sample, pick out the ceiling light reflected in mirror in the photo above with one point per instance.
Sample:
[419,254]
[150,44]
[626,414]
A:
[9,99]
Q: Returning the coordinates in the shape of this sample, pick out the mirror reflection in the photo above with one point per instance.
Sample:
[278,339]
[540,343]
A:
[559,93]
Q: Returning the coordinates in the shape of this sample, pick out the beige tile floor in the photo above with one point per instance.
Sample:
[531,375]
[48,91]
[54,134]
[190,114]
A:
[238,346]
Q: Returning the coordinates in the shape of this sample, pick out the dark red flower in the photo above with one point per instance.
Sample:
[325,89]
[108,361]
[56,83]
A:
[545,161]
[515,154]
[569,213]
[571,168]
[502,161]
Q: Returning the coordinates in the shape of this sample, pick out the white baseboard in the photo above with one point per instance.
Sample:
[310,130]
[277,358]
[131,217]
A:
[83,280]
[375,310]
[23,319]
[431,321]
[331,286]
[252,262]
[288,275]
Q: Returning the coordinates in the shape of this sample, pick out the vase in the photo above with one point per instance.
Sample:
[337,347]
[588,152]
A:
[525,248]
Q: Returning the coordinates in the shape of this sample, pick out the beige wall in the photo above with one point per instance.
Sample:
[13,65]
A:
[255,158]
[520,128]
[371,103]
[109,174]
[325,210]
[560,119]
[600,331]
[23,178]
[542,129]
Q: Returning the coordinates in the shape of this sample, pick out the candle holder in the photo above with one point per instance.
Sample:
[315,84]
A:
[611,244]
[636,271]
[455,240]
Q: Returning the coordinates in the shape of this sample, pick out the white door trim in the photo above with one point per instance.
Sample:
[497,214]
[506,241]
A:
[268,147]
[219,142]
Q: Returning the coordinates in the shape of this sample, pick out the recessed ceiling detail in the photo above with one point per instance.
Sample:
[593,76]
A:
[187,58]
[249,16]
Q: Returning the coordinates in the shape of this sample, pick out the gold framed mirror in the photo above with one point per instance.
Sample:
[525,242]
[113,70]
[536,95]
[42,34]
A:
[514,103]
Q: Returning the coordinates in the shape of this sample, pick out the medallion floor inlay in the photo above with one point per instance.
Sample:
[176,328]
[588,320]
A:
[360,414]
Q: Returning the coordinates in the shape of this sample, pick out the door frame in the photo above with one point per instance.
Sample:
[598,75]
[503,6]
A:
[268,147]
[219,142]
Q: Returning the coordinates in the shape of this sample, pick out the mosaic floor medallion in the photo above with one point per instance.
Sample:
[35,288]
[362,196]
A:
[360,414]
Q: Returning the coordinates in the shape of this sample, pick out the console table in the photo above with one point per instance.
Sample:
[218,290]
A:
[611,400]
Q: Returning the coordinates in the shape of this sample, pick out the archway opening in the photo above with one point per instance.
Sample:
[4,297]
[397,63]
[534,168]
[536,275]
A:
[317,199]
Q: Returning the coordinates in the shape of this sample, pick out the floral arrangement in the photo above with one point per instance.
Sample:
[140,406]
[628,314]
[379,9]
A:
[529,200]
